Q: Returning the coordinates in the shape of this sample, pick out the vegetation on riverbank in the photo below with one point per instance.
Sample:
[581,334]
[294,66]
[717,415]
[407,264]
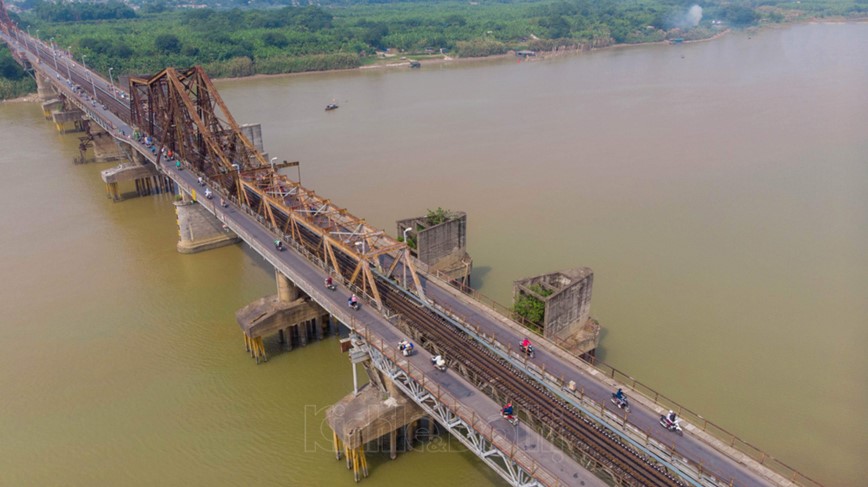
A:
[14,82]
[342,34]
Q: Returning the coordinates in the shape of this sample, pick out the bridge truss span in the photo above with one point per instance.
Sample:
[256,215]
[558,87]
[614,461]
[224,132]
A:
[495,448]
[185,122]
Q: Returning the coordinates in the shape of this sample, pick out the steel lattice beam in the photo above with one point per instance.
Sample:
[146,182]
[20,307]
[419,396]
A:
[484,444]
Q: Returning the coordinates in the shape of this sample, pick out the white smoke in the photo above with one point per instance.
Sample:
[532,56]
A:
[694,15]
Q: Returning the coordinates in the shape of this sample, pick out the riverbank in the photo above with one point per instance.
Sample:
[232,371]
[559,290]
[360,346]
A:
[28,98]
[404,62]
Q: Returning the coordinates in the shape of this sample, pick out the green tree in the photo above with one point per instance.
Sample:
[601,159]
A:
[167,44]
[275,39]
[438,216]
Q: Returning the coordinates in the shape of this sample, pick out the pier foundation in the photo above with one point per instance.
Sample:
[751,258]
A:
[199,230]
[290,314]
[371,421]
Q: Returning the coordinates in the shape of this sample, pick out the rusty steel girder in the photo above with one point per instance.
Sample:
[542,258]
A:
[338,239]
[184,114]
[183,111]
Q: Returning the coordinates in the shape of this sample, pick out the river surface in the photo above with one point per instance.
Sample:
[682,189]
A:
[719,191]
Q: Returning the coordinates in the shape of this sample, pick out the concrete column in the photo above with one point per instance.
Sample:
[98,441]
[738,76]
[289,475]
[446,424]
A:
[302,333]
[319,324]
[410,434]
[286,290]
[393,444]
[44,88]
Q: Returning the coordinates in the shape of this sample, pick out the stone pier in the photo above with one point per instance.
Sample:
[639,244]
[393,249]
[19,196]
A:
[290,314]
[199,230]
[567,299]
[375,413]
[442,246]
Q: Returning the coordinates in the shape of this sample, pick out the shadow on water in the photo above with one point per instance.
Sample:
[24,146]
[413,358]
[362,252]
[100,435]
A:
[477,276]
[600,352]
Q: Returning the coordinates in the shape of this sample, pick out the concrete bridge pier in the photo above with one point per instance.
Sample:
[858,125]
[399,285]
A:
[290,314]
[198,229]
[45,90]
[371,418]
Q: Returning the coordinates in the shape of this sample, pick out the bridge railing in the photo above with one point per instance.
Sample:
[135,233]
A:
[726,437]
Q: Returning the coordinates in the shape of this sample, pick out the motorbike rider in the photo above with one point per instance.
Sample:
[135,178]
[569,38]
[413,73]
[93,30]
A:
[403,344]
[671,416]
[439,362]
[328,282]
[507,410]
[619,395]
[353,301]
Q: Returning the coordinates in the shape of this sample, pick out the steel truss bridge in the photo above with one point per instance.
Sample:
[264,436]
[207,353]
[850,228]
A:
[177,117]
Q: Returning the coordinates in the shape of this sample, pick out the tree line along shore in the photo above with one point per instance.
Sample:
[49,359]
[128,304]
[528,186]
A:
[140,38]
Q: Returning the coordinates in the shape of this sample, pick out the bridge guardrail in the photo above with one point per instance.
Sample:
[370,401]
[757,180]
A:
[695,419]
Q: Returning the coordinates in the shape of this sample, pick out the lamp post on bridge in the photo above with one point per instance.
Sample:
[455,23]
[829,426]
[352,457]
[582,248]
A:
[89,74]
[54,55]
[112,81]
[404,264]
[69,55]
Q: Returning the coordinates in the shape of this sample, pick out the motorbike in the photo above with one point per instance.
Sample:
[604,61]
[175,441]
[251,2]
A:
[621,402]
[354,305]
[406,348]
[279,245]
[330,286]
[439,363]
[528,351]
[671,425]
[510,418]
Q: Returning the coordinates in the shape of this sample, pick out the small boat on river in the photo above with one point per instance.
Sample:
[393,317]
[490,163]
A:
[331,106]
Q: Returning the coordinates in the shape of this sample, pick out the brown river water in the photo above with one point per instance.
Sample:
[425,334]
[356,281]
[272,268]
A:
[719,191]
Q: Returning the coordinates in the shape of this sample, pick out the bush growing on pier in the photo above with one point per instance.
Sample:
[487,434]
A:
[531,308]
[438,216]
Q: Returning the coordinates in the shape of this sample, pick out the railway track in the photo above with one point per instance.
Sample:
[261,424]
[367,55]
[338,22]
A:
[606,448]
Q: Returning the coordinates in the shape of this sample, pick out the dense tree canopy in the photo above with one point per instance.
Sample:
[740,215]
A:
[60,11]
[346,33]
